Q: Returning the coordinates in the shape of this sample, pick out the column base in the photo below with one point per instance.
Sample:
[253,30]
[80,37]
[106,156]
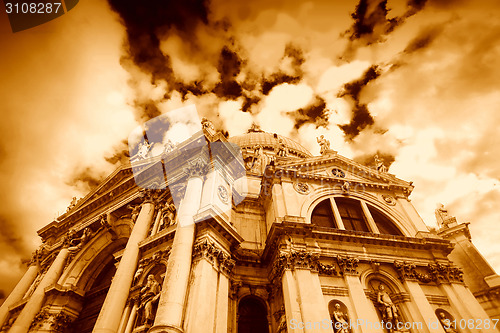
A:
[166,329]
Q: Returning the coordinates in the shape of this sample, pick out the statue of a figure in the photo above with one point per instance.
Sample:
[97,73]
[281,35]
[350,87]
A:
[76,243]
[442,216]
[340,319]
[168,146]
[207,124]
[135,211]
[387,307]
[346,186]
[150,294]
[143,150]
[379,164]
[282,150]
[260,160]
[72,204]
[324,144]
[447,323]
[168,217]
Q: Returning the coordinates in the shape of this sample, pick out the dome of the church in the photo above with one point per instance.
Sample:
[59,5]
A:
[269,141]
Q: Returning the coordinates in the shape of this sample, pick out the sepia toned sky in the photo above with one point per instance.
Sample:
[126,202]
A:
[416,81]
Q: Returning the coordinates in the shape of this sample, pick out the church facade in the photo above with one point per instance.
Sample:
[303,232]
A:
[252,234]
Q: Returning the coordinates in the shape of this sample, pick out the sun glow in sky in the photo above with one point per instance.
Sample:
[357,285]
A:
[415,81]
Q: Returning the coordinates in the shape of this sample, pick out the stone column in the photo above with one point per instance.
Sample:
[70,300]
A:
[156,225]
[131,318]
[116,298]
[302,295]
[169,316]
[425,311]
[200,315]
[222,306]
[35,302]
[366,318]
[124,320]
[17,294]
[291,300]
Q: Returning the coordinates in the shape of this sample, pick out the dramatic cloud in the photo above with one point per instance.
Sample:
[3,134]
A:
[361,117]
[415,82]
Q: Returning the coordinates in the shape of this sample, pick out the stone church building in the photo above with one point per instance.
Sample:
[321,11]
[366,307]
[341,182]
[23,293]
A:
[252,234]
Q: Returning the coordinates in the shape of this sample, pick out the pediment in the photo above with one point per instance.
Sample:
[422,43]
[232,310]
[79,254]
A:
[115,179]
[337,166]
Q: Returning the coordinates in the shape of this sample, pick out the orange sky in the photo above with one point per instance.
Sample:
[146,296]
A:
[71,93]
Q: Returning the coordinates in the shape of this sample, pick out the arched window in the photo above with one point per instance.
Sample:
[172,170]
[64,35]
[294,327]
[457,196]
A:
[322,215]
[385,226]
[354,215]
[252,316]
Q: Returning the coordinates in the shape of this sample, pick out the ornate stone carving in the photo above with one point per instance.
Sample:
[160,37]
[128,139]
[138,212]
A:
[301,187]
[197,168]
[168,216]
[55,322]
[76,243]
[295,259]
[217,257]
[408,271]
[445,273]
[389,200]
[280,317]
[326,269]
[346,187]
[134,212]
[223,194]
[72,204]
[234,289]
[348,265]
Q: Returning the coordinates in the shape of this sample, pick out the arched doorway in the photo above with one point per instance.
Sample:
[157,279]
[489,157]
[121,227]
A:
[252,316]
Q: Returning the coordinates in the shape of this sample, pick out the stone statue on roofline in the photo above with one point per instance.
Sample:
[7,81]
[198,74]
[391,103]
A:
[379,164]
[443,218]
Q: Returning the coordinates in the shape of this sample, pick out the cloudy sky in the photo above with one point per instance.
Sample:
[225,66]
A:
[415,81]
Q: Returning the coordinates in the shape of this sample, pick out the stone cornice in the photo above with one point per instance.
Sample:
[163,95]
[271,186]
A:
[273,175]
[451,232]
[311,231]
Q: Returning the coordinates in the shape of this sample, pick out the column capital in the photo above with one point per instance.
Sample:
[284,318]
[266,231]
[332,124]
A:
[348,265]
[295,259]
[151,196]
[212,253]
[197,168]
[53,321]
[442,273]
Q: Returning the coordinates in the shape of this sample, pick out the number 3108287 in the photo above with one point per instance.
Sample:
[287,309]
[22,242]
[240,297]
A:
[32,8]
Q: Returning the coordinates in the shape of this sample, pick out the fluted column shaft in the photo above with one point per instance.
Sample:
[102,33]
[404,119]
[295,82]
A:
[169,316]
[17,294]
[34,304]
[116,298]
